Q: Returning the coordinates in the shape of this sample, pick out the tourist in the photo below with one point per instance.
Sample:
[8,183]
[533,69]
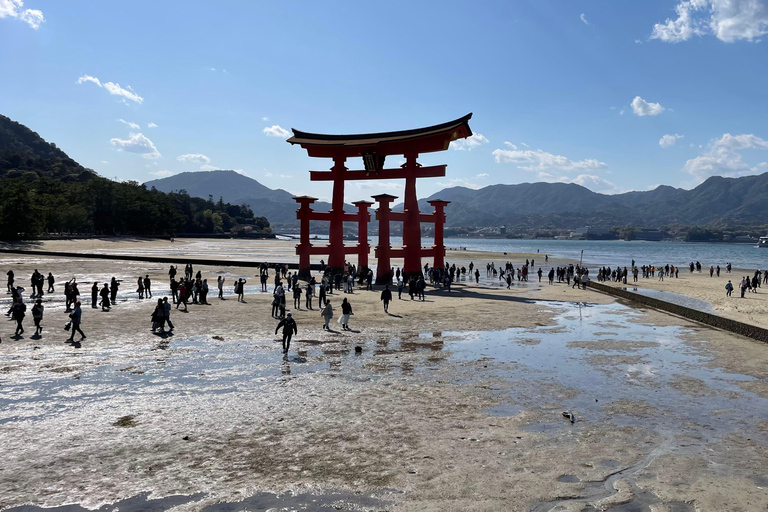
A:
[204,292]
[240,289]
[37,316]
[18,313]
[296,297]
[289,329]
[140,287]
[743,285]
[400,287]
[386,297]
[157,316]
[77,318]
[346,312]
[167,313]
[327,314]
[263,279]
[220,286]
[171,273]
[369,280]
[308,295]
[147,287]
[113,286]
[728,288]
[275,304]
[105,304]
[322,298]
[10,281]
[51,280]
[95,295]
[182,294]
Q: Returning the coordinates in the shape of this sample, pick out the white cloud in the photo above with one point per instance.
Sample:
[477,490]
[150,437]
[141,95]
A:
[113,88]
[195,158]
[638,41]
[209,167]
[483,175]
[584,19]
[621,112]
[132,126]
[469,143]
[728,20]
[524,144]
[162,174]
[15,9]
[136,143]
[265,118]
[642,108]
[276,131]
[539,160]
[595,183]
[669,140]
[151,125]
[459,182]
[722,157]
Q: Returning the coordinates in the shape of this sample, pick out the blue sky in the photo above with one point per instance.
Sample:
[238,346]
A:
[614,95]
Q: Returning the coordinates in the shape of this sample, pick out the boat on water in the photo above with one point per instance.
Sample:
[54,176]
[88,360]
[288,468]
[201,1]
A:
[763,242]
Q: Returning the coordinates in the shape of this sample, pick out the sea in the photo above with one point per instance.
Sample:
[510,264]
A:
[615,253]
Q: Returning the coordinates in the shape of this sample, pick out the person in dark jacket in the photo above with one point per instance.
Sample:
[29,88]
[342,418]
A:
[289,329]
[386,297]
[76,316]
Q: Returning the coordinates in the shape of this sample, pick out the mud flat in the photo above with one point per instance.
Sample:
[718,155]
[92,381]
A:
[454,404]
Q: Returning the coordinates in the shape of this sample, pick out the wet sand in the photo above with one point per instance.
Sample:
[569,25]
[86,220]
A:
[454,403]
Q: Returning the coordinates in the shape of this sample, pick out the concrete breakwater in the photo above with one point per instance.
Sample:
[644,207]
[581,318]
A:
[155,259]
[744,329]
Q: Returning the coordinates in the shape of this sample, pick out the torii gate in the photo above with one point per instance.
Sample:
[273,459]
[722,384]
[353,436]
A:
[374,148]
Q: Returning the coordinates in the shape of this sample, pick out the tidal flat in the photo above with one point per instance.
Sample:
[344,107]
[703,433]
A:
[456,403]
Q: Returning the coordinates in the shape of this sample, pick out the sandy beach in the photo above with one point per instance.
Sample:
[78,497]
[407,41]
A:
[454,404]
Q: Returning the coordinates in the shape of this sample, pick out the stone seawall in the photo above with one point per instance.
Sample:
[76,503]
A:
[155,259]
[750,331]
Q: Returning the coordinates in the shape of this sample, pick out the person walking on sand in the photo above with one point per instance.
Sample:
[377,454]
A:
[158,316]
[220,285]
[167,313]
[18,314]
[105,304]
[241,290]
[140,287]
[171,273]
[346,312]
[147,287]
[182,294]
[327,314]
[51,281]
[743,286]
[322,299]
[95,295]
[77,319]
[289,329]
[386,297]
[37,316]
[728,288]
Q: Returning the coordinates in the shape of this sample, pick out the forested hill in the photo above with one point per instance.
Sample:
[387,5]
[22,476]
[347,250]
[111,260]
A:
[718,203]
[24,151]
[44,191]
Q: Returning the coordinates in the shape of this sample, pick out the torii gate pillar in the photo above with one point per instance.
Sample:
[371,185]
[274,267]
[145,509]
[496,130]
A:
[303,249]
[383,249]
[439,244]
[363,247]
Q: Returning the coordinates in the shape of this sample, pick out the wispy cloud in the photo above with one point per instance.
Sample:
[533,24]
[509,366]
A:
[151,125]
[195,158]
[469,143]
[584,19]
[162,174]
[113,88]
[669,140]
[132,126]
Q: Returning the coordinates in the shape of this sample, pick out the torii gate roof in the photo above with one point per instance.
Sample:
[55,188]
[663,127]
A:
[419,140]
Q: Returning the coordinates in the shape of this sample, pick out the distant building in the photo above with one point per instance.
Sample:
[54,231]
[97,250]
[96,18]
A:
[503,230]
[579,233]
[649,235]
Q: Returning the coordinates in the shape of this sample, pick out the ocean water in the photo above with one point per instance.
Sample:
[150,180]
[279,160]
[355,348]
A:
[621,253]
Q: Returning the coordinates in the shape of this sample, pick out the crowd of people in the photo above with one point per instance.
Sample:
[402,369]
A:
[192,288]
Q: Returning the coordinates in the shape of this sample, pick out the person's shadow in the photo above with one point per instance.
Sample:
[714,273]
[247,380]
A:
[393,315]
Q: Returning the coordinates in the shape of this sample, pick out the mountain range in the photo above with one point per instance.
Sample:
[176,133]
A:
[717,202]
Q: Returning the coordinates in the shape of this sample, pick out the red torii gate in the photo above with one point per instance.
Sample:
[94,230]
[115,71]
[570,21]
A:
[374,148]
